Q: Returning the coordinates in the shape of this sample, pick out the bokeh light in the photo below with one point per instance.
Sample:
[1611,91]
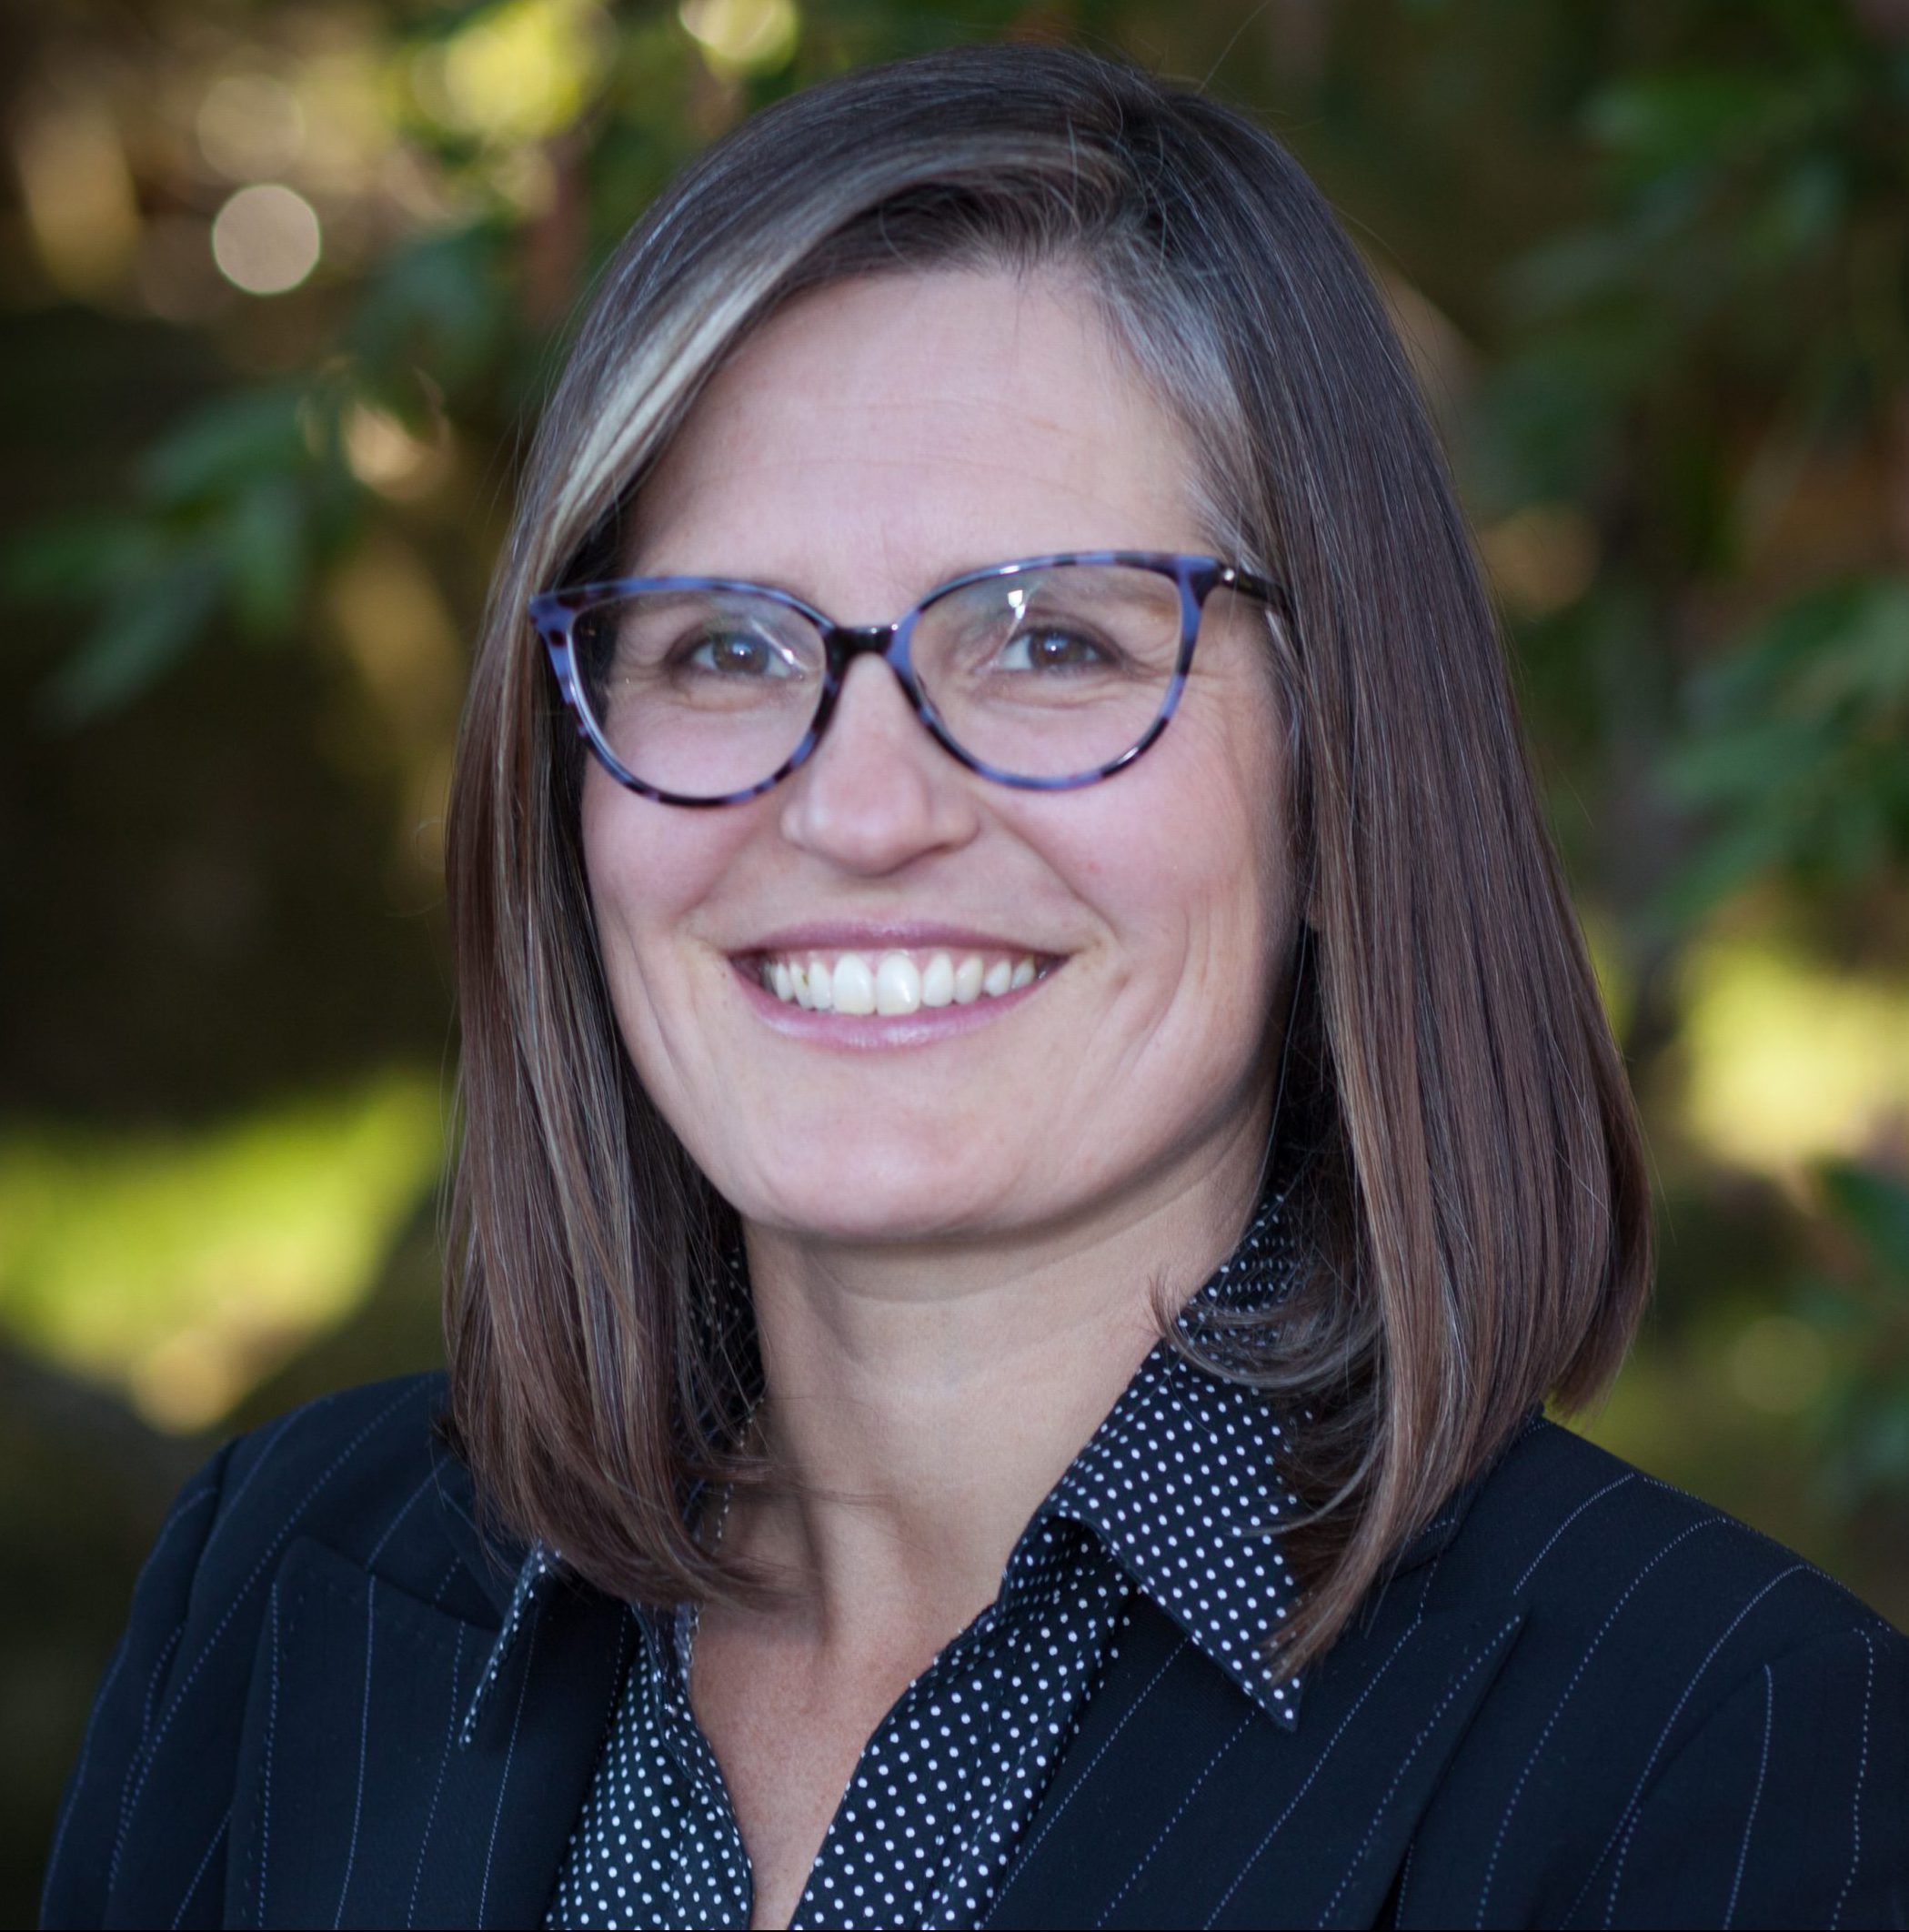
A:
[382,453]
[250,126]
[1541,558]
[1778,1365]
[519,72]
[743,36]
[77,189]
[1787,1060]
[266,240]
[182,1267]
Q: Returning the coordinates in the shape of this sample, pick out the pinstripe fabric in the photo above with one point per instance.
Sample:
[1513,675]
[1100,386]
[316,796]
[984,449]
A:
[1581,1699]
[1675,1723]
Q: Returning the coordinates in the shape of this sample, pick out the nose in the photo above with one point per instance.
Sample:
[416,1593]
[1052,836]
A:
[878,792]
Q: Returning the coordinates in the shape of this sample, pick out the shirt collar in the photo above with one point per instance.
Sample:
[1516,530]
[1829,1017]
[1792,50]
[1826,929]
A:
[1178,1484]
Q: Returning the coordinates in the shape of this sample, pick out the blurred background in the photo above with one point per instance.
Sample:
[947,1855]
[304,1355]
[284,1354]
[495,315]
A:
[280,287]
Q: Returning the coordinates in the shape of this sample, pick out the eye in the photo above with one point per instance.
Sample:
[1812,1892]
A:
[1049,648]
[740,654]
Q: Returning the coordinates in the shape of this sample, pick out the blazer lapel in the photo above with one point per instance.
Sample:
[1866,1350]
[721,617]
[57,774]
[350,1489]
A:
[1180,1804]
[355,1803]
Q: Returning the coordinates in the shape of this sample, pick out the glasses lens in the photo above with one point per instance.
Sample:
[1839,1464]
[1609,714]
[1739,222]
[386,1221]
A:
[1050,674]
[700,693]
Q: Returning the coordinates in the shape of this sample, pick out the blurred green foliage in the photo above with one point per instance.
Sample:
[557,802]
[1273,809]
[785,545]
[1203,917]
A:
[1861,1421]
[1651,260]
[183,1267]
[1795,749]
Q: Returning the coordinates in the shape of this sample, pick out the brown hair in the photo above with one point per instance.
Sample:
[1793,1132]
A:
[1471,1195]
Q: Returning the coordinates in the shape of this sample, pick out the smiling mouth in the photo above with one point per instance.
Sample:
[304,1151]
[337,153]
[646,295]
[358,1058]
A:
[893,983]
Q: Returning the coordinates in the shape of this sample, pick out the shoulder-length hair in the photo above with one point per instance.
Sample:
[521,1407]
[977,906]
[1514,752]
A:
[1471,1201]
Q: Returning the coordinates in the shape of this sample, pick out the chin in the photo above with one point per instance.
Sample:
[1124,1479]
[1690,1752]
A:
[880,1201]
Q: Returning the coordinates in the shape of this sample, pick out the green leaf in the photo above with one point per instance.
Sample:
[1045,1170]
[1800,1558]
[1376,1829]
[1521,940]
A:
[1722,866]
[1765,753]
[442,305]
[1795,751]
[1875,1207]
[147,624]
[1697,118]
[227,446]
[265,559]
[67,560]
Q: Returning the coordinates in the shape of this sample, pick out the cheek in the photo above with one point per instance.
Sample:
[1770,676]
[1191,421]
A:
[1189,867]
[648,868]
[621,867]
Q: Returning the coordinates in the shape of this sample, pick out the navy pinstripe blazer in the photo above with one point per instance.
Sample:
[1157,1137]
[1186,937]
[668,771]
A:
[1581,1699]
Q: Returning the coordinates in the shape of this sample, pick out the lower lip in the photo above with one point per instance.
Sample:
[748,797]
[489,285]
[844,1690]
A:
[858,1032]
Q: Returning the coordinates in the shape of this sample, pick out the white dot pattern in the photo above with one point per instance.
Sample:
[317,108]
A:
[1174,1495]
[541,1562]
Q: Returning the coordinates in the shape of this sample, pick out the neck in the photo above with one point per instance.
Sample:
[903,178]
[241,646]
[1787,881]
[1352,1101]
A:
[921,1400]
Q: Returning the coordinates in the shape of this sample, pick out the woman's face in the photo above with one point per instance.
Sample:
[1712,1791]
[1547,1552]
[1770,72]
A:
[873,440]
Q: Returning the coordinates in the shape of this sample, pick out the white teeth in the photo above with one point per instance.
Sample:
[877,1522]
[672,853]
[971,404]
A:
[938,981]
[894,985]
[854,986]
[898,984]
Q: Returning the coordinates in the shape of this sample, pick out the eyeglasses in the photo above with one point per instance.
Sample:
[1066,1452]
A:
[1047,674]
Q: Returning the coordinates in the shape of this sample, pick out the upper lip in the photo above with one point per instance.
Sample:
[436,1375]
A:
[889,936]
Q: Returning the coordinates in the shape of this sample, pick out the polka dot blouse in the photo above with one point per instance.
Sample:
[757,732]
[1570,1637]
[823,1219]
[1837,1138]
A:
[1173,1496]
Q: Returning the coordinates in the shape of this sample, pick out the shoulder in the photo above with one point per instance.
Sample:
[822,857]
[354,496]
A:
[1691,1719]
[337,1443]
[363,1472]
[1600,1550]
[367,1472]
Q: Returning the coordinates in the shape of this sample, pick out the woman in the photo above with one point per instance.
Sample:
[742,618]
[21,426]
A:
[1020,1202]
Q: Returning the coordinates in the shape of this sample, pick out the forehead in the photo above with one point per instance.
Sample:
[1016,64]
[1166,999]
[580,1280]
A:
[881,434]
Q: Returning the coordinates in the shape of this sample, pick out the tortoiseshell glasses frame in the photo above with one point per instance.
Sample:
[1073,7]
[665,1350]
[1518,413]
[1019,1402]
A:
[555,615]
